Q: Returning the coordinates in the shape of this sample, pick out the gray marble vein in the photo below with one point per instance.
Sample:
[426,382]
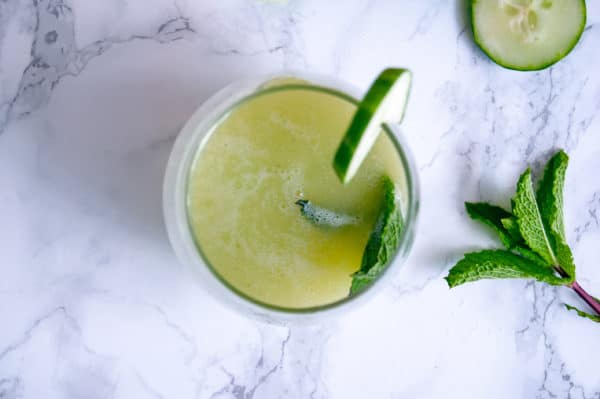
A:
[55,55]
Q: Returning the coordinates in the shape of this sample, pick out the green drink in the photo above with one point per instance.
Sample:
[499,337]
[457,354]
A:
[260,157]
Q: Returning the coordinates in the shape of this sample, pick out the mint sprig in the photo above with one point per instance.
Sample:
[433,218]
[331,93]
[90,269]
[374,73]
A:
[533,235]
[383,240]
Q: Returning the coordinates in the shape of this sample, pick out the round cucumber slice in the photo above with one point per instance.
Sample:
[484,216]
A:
[384,103]
[527,35]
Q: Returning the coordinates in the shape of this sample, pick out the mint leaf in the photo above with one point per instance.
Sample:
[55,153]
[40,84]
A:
[324,217]
[532,256]
[492,216]
[510,224]
[530,221]
[581,313]
[550,192]
[360,281]
[550,202]
[383,240]
[491,264]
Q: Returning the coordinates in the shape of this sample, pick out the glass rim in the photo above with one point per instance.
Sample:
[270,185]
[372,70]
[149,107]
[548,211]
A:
[212,123]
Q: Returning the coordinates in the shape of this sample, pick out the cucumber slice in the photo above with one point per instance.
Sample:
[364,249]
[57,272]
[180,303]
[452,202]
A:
[384,103]
[527,35]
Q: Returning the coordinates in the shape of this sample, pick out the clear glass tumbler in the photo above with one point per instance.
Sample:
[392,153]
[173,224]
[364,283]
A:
[190,140]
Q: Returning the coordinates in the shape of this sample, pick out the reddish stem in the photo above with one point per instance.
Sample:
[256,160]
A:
[586,297]
[590,300]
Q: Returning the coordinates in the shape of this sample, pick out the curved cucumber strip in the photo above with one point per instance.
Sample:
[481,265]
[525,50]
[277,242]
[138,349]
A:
[384,103]
[527,35]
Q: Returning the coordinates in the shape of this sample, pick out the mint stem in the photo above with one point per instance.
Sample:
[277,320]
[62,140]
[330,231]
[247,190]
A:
[586,297]
[590,300]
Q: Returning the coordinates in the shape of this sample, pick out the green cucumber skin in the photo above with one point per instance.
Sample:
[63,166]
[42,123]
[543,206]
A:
[348,145]
[526,68]
[362,118]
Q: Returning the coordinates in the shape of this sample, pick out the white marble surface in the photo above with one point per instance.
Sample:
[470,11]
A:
[92,301]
